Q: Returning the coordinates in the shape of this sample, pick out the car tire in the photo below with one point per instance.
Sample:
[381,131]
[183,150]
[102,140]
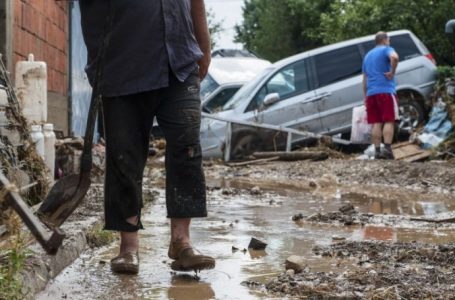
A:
[245,145]
[412,114]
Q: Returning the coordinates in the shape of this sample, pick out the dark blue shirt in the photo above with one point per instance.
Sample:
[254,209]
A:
[149,39]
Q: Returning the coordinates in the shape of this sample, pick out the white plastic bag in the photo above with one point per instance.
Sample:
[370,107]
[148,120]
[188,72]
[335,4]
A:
[360,130]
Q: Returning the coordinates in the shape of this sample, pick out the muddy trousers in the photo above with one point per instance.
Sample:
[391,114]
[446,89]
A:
[127,123]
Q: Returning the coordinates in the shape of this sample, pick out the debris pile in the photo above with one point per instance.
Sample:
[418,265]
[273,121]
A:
[382,271]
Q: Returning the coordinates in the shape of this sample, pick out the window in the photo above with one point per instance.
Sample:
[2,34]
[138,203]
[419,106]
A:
[289,81]
[208,85]
[403,44]
[338,65]
[219,100]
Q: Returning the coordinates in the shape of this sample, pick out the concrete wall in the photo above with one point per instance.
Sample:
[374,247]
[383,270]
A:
[41,27]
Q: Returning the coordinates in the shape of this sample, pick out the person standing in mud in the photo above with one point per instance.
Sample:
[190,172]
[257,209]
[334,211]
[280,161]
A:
[158,51]
[379,88]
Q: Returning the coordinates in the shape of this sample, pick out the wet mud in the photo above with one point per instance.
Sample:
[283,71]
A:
[379,271]
[295,209]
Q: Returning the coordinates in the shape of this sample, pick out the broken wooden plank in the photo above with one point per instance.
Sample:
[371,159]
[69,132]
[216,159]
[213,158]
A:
[293,156]
[447,220]
[418,157]
[253,162]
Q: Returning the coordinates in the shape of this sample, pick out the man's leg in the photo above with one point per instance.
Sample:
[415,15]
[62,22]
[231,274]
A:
[179,117]
[376,136]
[127,123]
[388,131]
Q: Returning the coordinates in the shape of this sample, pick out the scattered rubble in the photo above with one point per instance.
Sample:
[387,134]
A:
[383,270]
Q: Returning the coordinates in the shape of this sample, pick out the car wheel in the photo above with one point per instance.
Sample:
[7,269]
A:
[411,115]
[244,146]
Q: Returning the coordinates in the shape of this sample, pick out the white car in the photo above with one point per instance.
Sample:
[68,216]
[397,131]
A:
[225,77]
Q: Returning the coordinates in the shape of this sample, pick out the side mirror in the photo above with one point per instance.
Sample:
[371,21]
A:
[271,99]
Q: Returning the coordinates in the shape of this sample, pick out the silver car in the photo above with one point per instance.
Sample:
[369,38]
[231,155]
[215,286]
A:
[225,77]
[316,91]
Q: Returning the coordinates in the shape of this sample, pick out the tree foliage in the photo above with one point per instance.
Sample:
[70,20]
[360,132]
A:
[353,18]
[277,29]
[215,27]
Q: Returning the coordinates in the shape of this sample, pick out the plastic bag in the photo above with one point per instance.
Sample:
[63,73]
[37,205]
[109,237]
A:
[360,130]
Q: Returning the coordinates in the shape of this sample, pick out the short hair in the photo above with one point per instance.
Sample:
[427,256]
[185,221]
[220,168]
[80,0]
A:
[380,37]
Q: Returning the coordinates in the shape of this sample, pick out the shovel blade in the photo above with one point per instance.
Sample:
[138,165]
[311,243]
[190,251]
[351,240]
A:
[64,197]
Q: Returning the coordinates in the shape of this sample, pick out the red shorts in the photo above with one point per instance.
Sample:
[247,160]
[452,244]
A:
[382,108]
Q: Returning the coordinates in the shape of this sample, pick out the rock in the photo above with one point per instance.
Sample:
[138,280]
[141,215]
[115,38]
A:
[256,244]
[296,263]
[255,191]
[347,209]
[226,192]
[3,230]
[290,272]
[338,238]
[297,217]
[348,220]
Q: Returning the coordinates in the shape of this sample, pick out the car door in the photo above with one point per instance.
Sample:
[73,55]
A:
[339,86]
[295,106]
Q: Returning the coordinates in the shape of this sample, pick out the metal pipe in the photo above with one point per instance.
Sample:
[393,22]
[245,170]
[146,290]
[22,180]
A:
[450,26]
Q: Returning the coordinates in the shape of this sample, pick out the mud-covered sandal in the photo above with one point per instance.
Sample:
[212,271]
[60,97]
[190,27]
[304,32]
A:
[189,261]
[127,263]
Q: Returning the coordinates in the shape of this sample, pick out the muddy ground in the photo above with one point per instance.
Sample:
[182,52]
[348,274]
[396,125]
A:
[385,242]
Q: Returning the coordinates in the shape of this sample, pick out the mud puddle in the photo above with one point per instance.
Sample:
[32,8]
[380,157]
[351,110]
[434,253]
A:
[238,210]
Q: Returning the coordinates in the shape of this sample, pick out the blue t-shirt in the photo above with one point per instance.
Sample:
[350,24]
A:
[375,64]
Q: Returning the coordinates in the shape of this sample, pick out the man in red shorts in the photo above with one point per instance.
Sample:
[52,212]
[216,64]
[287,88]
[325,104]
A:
[379,88]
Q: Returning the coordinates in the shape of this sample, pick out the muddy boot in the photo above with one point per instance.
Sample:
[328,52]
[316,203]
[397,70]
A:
[186,260]
[127,263]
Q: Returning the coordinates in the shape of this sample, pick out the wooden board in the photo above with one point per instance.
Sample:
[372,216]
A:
[409,152]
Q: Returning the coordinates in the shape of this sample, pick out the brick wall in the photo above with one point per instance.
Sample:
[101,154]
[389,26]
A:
[41,27]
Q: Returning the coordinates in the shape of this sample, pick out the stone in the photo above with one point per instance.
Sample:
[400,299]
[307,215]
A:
[290,272]
[256,244]
[296,263]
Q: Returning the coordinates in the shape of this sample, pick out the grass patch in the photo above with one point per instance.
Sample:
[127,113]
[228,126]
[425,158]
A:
[97,237]
[12,261]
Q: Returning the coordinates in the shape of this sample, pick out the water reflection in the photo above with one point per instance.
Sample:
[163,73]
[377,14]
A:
[187,287]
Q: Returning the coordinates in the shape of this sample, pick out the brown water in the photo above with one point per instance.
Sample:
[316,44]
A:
[232,221]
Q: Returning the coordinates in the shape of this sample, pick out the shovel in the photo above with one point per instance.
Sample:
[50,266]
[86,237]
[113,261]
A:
[66,195]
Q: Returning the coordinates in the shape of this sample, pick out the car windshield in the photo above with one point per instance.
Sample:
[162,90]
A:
[208,85]
[246,90]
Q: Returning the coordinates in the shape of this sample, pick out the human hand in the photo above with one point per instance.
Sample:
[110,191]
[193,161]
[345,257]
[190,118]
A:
[204,64]
[389,75]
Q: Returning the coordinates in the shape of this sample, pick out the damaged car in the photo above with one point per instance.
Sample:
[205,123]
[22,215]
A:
[316,91]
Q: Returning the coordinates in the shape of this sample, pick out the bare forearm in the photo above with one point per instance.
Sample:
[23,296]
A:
[201,29]
[394,64]
[364,86]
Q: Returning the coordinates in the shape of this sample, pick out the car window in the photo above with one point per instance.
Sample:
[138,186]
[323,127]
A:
[208,85]
[246,90]
[403,44]
[338,64]
[219,100]
[289,81]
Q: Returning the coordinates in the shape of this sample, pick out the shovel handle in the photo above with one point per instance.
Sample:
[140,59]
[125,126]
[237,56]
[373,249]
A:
[50,241]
